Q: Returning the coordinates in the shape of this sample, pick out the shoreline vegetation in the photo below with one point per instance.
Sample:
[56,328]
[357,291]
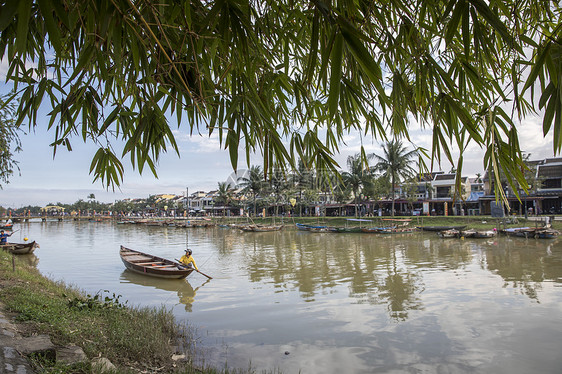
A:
[138,339]
[134,339]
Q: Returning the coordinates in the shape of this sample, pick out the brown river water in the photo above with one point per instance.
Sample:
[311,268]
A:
[301,302]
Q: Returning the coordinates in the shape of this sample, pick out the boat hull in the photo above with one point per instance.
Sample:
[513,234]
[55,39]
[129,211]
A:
[153,266]
[20,248]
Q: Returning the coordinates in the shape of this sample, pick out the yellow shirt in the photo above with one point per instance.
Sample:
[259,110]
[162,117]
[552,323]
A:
[186,260]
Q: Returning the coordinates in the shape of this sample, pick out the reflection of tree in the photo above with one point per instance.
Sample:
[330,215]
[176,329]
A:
[525,265]
[400,288]
[317,262]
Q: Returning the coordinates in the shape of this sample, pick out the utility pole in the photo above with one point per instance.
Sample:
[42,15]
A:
[187,199]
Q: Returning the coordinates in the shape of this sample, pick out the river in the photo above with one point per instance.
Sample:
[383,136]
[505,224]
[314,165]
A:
[333,303]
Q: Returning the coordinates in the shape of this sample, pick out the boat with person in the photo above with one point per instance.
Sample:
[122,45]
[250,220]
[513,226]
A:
[20,248]
[147,264]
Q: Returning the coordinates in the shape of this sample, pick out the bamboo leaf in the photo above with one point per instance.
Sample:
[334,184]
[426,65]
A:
[24,12]
[335,76]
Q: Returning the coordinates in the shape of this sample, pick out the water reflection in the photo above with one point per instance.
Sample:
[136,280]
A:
[338,302]
[29,259]
[387,270]
[185,292]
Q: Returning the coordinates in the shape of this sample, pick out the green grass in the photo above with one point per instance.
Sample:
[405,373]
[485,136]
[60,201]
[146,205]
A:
[134,339]
[102,325]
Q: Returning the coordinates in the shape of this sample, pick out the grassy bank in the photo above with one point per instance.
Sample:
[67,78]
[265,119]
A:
[134,339]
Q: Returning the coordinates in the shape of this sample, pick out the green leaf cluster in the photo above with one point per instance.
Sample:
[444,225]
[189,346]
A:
[286,79]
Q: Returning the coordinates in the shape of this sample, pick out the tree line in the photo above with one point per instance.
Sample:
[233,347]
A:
[298,188]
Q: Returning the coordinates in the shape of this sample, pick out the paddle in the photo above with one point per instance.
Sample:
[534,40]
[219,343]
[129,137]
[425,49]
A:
[200,272]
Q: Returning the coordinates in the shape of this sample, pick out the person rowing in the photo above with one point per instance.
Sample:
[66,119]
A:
[187,259]
[4,237]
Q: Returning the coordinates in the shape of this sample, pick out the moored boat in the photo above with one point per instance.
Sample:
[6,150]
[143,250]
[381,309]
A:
[440,228]
[305,227]
[20,248]
[531,232]
[485,233]
[451,233]
[546,233]
[261,228]
[154,266]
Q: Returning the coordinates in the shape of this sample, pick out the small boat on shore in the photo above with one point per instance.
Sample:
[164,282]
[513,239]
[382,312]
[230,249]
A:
[306,227]
[154,266]
[20,248]
[531,232]
[440,228]
[261,228]
[472,233]
[451,233]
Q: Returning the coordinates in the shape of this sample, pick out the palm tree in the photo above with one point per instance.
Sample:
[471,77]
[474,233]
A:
[395,164]
[224,195]
[278,185]
[303,180]
[358,176]
[253,183]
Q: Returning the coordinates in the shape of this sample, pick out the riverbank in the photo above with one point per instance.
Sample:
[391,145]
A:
[475,222]
[133,339]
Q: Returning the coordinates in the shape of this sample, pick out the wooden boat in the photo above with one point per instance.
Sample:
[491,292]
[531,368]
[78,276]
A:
[373,230]
[345,230]
[154,266]
[305,227]
[485,233]
[440,228]
[451,233]
[546,233]
[396,230]
[20,248]
[261,228]
[531,232]
[7,226]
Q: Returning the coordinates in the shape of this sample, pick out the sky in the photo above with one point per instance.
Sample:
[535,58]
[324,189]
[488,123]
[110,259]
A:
[201,165]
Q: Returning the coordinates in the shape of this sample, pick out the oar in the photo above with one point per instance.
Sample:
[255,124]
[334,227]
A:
[200,272]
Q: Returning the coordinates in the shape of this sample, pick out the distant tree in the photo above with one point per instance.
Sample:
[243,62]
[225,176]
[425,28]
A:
[278,184]
[375,188]
[303,180]
[253,184]
[357,177]
[395,164]
[225,195]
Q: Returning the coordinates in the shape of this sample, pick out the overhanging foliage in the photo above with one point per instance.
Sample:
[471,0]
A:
[286,78]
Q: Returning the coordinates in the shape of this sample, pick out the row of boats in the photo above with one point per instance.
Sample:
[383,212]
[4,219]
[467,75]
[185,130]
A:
[442,231]
[522,232]
[369,230]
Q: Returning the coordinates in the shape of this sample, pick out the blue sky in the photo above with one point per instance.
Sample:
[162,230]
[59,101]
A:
[201,165]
